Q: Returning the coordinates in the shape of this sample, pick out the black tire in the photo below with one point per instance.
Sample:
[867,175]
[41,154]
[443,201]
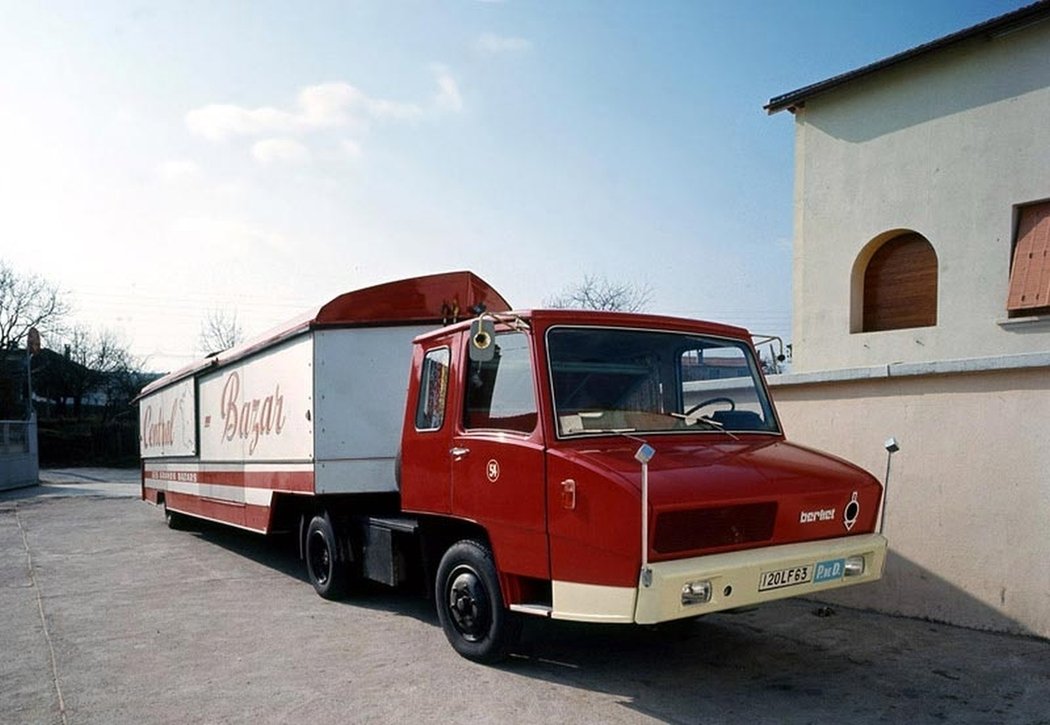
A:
[470,606]
[175,520]
[326,565]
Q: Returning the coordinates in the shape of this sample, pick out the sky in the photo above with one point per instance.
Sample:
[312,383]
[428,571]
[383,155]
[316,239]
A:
[163,161]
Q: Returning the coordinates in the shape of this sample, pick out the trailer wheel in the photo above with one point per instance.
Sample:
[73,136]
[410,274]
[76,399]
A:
[324,563]
[470,606]
[175,520]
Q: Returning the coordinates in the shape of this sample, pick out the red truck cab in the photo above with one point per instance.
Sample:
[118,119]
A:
[533,429]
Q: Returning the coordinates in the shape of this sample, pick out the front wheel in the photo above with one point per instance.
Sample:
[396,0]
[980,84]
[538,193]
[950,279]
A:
[470,606]
[325,564]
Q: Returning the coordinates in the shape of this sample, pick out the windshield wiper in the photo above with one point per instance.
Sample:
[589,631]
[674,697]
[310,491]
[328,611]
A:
[711,422]
[605,431]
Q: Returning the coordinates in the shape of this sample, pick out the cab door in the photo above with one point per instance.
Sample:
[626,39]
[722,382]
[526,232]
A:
[426,485]
[497,456]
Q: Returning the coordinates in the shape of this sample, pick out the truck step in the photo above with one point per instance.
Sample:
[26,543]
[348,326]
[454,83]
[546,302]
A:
[536,610]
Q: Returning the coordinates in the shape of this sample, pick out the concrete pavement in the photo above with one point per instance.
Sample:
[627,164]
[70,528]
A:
[110,617]
[62,482]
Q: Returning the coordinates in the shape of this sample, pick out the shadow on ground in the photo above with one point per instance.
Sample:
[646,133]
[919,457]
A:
[807,662]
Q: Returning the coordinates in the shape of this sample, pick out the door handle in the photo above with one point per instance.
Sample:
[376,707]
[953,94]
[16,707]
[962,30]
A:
[458,453]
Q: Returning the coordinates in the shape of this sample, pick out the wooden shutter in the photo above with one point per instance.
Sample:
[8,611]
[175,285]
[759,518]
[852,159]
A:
[1030,273]
[900,285]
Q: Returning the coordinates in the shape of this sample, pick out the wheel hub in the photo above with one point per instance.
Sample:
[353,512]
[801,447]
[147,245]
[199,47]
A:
[320,558]
[468,604]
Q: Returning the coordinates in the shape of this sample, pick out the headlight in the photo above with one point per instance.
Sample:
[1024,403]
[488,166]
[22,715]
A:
[854,565]
[696,592]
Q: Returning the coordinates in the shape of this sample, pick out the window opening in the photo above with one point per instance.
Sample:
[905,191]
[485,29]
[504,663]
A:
[433,390]
[900,285]
[607,380]
[1030,272]
[500,392]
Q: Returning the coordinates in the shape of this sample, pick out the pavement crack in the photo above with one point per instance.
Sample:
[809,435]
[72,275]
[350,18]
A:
[43,618]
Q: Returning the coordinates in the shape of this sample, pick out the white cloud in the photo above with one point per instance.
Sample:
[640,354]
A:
[492,44]
[177,170]
[220,121]
[448,97]
[326,105]
[280,150]
[379,108]
[350,148]
[336,104]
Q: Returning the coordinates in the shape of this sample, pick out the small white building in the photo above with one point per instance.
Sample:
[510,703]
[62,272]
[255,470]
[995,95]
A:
[922,311]
[19,462]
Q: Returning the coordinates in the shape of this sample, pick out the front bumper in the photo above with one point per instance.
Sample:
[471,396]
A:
[735,576]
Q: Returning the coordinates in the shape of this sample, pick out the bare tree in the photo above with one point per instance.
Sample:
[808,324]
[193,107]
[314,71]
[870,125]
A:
[599,293]
[219,331]
[101,363]
[27,301]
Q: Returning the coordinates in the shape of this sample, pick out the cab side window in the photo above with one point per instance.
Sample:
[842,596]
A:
[433,390]
[500,393]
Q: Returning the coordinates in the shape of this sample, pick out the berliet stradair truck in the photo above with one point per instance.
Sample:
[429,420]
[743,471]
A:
[589,466]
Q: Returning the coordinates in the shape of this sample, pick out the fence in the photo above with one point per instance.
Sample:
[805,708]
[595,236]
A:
[19,465]
[70,442]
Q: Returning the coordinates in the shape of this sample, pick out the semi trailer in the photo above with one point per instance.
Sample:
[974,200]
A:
[578,465]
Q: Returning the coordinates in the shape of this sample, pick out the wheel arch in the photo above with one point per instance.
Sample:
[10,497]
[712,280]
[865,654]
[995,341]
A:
[438,535]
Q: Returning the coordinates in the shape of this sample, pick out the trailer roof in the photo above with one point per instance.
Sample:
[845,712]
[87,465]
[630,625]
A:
[436,298]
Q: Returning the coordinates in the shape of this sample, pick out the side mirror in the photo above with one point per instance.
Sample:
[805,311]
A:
[482,340]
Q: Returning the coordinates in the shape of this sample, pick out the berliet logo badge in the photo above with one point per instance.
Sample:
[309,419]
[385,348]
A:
[808,517]
[851,512]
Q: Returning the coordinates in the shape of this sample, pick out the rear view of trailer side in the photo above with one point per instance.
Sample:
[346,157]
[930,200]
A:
[312,409]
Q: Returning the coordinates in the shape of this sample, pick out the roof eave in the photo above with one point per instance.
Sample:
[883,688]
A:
[1021,18]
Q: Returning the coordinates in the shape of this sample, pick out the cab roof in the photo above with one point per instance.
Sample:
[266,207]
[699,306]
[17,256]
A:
[550,317]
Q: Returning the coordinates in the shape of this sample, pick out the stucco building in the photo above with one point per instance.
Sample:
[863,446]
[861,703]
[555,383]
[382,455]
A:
[922,311]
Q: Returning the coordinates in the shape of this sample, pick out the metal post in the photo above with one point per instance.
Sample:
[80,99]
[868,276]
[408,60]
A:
[644,455]
[29,384]
[891,447]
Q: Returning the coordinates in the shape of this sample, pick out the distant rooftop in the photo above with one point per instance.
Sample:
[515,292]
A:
[1023,17]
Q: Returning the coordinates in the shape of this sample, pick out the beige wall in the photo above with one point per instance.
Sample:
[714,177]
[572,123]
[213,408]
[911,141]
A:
[968,514]
[945,145]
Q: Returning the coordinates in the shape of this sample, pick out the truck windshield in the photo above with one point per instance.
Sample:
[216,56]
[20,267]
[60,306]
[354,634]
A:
[624,380]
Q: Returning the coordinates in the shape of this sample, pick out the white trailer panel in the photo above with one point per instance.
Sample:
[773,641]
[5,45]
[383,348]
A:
[168,422]
[361,383]
[260,409]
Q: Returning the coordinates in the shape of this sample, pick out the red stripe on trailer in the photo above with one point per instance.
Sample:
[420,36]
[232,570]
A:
[245,516]
[290,481]
[257,518]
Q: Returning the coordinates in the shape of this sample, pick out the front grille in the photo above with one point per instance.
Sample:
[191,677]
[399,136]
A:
[710,528]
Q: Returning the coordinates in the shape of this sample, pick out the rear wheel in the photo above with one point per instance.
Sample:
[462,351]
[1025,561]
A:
[470,606]
[325,564]
[175,520]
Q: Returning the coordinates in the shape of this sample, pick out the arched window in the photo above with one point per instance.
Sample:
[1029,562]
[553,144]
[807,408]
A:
[898,283]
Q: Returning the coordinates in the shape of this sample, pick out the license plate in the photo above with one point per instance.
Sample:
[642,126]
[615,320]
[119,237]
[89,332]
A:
[785,577]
